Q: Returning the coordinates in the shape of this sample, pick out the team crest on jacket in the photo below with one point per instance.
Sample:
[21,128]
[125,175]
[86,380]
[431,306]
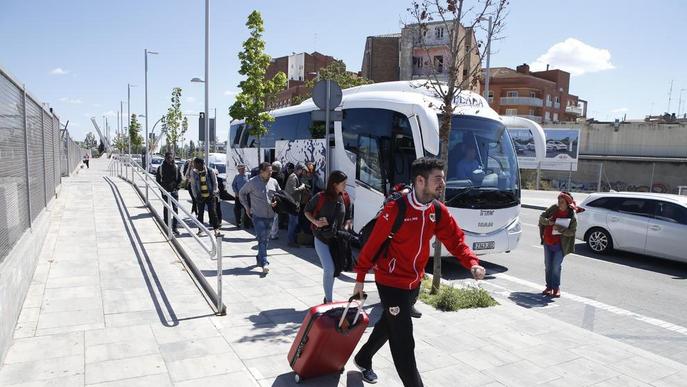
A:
[433,217]
[394,310]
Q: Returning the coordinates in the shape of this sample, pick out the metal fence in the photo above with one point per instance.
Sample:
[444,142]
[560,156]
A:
[34,154]
[592,175]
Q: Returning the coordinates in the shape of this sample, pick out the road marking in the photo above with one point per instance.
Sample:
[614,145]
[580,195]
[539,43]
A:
[529,224]
[600,305]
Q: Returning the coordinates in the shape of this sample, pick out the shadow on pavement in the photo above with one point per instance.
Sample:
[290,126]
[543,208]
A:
[325,381]
[676,269]
[280,316]
[452,270]
[142,216]
[530,300]
[135,240]
[235,271]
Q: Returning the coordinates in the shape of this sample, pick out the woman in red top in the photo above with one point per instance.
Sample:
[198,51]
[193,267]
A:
[557,225]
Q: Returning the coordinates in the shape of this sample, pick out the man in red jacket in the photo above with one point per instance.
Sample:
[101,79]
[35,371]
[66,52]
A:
[399,271]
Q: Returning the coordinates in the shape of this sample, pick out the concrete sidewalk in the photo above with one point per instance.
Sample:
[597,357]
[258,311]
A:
[112,305]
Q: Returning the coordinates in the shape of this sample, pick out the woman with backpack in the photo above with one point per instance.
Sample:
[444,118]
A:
[329,211]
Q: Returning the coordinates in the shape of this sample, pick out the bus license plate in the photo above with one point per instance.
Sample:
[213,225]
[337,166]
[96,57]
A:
[483,245]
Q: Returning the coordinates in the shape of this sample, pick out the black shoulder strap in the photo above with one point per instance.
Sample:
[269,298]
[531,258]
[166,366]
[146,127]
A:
[437,211]
[400,216]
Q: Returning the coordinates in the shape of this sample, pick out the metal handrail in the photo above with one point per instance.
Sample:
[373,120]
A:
[121,164]
[169,203]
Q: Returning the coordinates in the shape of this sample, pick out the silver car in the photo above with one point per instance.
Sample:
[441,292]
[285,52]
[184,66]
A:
[640,222]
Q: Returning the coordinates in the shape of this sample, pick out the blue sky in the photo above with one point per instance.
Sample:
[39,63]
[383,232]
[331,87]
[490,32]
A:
[79,55]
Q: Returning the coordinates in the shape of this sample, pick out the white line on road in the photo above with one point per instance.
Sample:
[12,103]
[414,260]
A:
[529,224]
[600,305]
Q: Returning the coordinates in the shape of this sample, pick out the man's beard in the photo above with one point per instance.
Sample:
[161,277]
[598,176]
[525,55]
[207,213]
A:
[432,195]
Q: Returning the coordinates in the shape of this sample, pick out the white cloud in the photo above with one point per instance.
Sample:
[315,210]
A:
[620,110]
[75,101]
[97,105]
[191,99]
[575,57]
[109,113]
[230,93]
[59,71]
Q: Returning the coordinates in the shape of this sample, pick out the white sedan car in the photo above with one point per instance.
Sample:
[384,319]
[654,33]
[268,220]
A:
[645,223]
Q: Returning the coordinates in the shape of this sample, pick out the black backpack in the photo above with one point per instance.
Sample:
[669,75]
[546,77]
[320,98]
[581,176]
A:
[399,198]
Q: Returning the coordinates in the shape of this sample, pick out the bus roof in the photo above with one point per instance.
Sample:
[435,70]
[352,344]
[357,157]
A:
[416,92]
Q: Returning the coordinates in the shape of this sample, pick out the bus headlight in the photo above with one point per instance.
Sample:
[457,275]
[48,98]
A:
[515,227]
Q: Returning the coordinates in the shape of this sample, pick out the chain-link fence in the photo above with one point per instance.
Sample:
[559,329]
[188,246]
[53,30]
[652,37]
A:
[34,153]
[640,175]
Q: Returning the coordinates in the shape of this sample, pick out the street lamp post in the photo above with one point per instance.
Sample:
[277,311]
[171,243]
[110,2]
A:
[147,161]
[206,82]
[128,113]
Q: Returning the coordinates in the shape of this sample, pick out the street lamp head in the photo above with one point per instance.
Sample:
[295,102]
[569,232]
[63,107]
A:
[153,52]
[198,80]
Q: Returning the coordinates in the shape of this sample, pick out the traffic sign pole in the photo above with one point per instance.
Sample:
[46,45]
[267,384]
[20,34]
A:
[326,135]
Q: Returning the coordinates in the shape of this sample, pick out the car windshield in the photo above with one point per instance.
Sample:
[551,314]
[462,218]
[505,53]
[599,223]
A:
[482,168]
[221,168]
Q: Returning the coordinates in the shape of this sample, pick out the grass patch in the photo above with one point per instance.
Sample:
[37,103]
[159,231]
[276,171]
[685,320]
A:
[450,299]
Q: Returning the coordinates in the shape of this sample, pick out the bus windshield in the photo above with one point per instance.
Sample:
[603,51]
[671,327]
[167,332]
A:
[482,168]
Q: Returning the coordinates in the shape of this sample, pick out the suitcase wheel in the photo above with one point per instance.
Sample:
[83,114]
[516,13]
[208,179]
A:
[297,378]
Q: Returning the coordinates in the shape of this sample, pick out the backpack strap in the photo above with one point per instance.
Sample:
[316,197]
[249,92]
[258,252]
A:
[320,204]
[398,222]
[437,211]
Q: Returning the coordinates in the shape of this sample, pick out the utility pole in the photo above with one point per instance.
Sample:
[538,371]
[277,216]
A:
[670,96]
[679,103]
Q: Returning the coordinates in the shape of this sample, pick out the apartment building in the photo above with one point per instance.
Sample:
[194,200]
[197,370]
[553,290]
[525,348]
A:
[542,96]
[299,68]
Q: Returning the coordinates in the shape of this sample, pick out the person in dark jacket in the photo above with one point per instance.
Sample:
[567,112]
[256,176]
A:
[169,177]
[557,227]
[205,190]
[329,211]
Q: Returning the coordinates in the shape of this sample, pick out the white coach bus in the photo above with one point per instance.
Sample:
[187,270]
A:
[385,127]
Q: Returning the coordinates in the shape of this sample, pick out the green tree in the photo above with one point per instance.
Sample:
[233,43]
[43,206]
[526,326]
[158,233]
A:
[135,134]
[120,142]
[175,124]
[255,90]
[90,142]
[335,71]
[461,65]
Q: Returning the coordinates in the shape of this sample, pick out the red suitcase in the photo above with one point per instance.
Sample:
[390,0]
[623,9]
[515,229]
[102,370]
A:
[327,338]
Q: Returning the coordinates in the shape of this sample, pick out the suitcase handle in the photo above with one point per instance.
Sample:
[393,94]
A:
[360,308]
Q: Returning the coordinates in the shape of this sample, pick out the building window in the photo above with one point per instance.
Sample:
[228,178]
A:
[555,117]
[491,94]
[533,94]
[439,32]
[511,94]
[531,112]
[548,98]
[547,116]
[417,62]
[439,63]
[511,112]
[558,99]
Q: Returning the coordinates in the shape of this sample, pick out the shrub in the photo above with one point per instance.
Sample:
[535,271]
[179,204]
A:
[450,298]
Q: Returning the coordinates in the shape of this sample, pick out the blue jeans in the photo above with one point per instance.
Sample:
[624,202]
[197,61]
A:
[327,262]
[553,260]
[262,233]
[293,228]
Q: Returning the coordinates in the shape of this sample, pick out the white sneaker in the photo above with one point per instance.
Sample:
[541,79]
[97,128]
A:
[200,233]
[265,269]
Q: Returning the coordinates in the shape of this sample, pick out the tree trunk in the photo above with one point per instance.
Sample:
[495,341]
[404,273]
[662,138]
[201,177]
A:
[444,131]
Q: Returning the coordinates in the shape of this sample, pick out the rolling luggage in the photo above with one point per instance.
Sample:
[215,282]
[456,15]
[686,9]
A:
[327,338]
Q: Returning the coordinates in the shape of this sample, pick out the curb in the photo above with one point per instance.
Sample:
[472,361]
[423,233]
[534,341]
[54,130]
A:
[532,207]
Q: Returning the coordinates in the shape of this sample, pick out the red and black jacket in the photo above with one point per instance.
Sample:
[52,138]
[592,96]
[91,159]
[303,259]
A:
[403,264]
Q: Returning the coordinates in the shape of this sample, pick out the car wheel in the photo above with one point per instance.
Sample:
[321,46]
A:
[599,240]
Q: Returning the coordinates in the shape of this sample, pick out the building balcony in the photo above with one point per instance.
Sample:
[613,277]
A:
[549,103]
[574,110]
[531,117]
[556,105]
[524,101]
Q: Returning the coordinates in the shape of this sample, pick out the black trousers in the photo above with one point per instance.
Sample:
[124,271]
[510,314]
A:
[210,203]
[238,211]
[174,195]
[396,327]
